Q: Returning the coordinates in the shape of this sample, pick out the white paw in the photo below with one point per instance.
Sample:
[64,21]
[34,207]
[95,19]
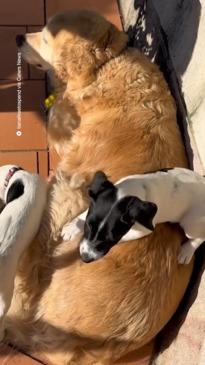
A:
[186,253]
[71,230]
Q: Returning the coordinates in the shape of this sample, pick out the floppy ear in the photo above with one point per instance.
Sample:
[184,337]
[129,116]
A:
[146,214]
[97,185]
[79,62]
[140,211]
[76,66]
[15,191]
[115,42]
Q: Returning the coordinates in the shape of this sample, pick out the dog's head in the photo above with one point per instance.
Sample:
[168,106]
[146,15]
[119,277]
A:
[74,45]
[109,218]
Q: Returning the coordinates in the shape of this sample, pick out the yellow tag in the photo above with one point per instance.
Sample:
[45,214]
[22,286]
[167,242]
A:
[49,101]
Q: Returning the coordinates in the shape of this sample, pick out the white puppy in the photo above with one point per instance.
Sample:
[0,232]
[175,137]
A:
[132,207]
[24,197]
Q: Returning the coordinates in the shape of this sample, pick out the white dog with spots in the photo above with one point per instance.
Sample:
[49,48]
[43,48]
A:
[23,196]
[132,207]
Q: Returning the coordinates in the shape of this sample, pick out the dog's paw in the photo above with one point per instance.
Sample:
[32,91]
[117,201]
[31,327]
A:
[186,253]
[71,230]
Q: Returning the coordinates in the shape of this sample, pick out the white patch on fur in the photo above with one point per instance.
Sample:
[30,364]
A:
[179,195]
[149,38]
[2,305]
[71,230]
[86,249]
[186,253]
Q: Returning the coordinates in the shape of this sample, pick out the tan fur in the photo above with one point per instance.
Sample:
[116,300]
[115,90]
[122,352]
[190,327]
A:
[82,314]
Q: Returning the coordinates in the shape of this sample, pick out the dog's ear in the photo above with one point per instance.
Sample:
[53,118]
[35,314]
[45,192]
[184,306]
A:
[76,65]
[136,210]
[80,61]
[109,45]
[99,184]
[15,191]
[146,214]
[115,42]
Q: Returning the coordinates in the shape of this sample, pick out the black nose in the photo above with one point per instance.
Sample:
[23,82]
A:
[86,257]
[20,39]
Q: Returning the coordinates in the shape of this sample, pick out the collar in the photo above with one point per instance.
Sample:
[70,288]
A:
[9,175]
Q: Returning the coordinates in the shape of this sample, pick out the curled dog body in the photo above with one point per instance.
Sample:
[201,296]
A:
[24,197]
[113,112]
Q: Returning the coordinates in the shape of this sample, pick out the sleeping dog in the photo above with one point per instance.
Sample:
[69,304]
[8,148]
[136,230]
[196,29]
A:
[23,197]
[130,210]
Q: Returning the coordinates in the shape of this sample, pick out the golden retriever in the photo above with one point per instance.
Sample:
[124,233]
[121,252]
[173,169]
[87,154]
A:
[122,121]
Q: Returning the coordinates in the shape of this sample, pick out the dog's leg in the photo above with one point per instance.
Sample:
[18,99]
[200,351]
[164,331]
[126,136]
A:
[188,249]
[74,228]
[7,273]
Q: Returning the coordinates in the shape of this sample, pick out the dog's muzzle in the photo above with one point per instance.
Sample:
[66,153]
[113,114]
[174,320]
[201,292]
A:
[20,39]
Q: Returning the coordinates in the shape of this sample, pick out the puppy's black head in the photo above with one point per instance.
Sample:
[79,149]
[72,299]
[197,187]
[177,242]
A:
[103,195]
[109,219]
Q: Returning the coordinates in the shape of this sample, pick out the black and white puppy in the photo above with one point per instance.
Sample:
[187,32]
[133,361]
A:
[24,197]
[132,207]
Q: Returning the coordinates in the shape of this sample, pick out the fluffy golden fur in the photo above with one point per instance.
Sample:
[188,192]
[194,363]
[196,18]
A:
[123,121]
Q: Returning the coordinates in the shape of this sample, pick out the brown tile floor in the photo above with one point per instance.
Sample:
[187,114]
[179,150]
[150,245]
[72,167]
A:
[107,7]
[22,12]
[30,148]
[9,54]
[32,124]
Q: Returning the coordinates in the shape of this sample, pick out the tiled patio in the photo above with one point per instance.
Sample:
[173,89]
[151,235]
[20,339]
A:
[30,149]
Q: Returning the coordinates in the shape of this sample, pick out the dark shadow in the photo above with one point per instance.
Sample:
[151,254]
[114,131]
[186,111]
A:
[171,330]
[149,37]
[183,28]
[67,341]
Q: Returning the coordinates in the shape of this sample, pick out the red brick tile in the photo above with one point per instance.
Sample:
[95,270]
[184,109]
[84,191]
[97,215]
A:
[43,163]
[27,160]
[34,72]
[8,64]
[22,12]
[107,7]
[54,159]
[32,124]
